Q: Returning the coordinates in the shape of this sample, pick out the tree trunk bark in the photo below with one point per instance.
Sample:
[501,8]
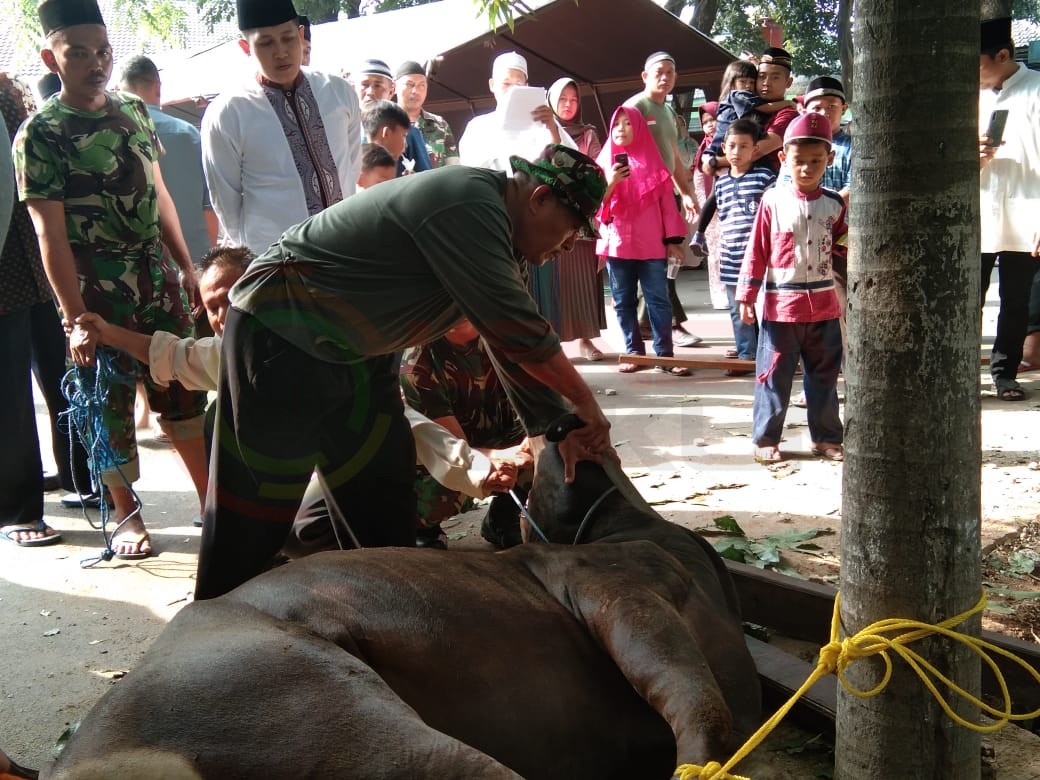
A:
[845,50]
[674,6]
[996,9]
[910,529]
[704,13]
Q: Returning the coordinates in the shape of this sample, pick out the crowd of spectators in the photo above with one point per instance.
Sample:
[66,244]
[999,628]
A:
[302,180]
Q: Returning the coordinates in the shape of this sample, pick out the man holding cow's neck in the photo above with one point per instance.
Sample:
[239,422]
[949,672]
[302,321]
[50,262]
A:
[308,375]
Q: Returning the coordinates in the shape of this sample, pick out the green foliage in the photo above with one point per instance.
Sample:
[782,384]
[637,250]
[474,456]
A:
[810,31]
[763,553]
[161,19]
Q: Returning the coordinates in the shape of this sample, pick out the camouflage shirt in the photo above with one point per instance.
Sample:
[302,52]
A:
[441,379]
[440,141]
[99,163]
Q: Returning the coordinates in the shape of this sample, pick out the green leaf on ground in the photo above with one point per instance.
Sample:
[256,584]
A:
[728,524]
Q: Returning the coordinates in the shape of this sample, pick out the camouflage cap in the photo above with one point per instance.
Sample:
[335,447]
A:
[574,177]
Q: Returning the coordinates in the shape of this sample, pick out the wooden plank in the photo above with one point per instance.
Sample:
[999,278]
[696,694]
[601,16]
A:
[802,610]
[704,362]
[782,674]
[689,362]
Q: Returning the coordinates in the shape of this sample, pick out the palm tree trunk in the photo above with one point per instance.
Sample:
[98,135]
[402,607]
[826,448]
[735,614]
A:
[910,529]
[845,50]
[996,9]
[704,13]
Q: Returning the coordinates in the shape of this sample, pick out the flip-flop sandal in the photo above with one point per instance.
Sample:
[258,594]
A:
[630,368]
[1011,393]
[768,454]
[44,541]
[139,540]
[591,354]
[833,452]
[673,370]
[731,354]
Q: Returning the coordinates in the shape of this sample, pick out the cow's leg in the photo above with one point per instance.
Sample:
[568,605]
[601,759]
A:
[638,610]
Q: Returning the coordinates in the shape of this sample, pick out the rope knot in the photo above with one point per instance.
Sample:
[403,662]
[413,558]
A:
[709,770]
[830,656]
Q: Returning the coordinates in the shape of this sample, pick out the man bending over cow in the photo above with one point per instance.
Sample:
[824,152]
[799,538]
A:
[308,378]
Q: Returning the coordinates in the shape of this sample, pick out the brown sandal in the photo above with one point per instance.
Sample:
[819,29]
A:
[829,451]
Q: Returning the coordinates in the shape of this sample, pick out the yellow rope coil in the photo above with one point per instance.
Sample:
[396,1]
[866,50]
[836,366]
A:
[838,654]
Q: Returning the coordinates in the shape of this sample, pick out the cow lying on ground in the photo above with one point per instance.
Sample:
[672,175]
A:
[614,659]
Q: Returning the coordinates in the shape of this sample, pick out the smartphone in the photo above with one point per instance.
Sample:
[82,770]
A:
[622,159]
[995,131]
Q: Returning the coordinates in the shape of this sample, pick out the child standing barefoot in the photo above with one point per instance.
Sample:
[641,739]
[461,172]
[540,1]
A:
[641,227]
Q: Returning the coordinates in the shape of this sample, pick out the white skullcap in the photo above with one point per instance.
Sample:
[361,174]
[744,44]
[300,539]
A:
[509,60]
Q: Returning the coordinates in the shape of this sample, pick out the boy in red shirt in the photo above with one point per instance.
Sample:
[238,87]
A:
[799,228]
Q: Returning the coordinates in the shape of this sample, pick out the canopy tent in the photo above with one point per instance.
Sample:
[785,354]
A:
[601,43]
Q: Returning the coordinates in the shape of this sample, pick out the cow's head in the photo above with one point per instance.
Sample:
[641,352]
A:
[558,508]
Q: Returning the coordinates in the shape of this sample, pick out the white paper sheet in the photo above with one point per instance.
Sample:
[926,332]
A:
[517,105]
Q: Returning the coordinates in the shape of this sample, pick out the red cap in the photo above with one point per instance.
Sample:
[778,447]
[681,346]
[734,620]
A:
[809,126]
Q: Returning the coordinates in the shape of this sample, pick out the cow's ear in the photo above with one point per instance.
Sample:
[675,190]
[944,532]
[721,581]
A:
[560,427]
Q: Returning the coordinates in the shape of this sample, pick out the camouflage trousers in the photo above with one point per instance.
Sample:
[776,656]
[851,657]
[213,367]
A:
[140,291]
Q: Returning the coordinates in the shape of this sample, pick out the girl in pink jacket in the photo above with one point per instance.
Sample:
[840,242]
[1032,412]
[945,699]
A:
[640,228]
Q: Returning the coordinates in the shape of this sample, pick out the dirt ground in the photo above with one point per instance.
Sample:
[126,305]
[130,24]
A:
[70,632]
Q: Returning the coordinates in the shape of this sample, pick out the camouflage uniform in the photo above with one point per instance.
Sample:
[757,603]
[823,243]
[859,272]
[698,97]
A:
[100,165]
[441,146]
[441,379]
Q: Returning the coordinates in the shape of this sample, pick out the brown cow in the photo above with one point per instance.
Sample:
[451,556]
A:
[616,659]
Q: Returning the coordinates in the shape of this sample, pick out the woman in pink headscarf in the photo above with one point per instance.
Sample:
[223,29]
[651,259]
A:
[641,228]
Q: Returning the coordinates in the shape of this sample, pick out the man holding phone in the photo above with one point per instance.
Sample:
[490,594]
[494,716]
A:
[1009,101]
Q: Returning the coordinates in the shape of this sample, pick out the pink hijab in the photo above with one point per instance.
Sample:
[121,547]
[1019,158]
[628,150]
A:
[644,161]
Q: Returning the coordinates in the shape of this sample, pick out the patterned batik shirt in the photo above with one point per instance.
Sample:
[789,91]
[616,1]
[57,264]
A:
[100,164]
[23,283]
[440,141]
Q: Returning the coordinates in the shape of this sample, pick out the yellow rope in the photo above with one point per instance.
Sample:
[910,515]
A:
[838,654]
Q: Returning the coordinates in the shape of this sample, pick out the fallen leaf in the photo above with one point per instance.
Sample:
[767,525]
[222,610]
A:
[728,486]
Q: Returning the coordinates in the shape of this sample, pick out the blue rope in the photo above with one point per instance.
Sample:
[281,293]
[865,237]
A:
[86,389]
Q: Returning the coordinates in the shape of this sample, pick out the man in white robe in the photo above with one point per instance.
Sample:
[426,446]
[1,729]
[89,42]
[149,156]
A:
[488,143]
[284,146]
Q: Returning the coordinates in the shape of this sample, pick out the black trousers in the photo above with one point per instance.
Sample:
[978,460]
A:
[1015,274]
[49,365]
[281,413]
[32,342]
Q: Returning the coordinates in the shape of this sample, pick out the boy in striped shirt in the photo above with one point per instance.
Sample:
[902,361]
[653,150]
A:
[738,190]
[799,231]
